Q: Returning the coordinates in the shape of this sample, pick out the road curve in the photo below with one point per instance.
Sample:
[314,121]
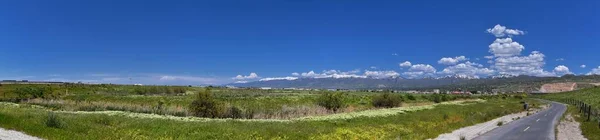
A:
[539,126]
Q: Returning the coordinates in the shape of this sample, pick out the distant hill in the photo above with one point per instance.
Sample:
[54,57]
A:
[502,83]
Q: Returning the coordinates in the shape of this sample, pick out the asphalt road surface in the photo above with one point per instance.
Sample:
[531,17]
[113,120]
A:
[538,126]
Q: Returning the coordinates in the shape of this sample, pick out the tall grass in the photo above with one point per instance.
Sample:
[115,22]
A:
[421,124]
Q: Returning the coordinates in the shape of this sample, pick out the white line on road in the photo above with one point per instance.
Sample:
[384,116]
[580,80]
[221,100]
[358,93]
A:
[526,128]
[537,120]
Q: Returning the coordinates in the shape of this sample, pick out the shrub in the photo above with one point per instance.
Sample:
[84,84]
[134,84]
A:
[234,112]
[387,100]
[331,100]
[410,97]
[53,121]
[205,105]
[436,98]
[500,123]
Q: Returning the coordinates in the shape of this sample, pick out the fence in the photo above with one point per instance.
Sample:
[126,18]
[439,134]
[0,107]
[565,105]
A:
[587,110]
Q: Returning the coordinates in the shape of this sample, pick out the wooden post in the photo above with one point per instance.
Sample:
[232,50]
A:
[589,111]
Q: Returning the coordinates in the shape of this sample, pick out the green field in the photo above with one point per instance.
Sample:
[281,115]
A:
[96,113]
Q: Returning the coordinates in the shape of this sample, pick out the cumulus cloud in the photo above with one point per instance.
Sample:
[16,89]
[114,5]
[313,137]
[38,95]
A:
[295,74]
[381,74]
[562,70]
[452,61]
[467,69]
[504,47]
[594,71]
[501,31]
[251,76]
[522,65]
[405,64]
[332,74]
[373,67]
[420,70]
[278,78]
[582,66]
[489,57]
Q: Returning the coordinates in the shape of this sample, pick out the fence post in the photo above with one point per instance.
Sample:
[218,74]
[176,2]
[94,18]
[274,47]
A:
[589,111]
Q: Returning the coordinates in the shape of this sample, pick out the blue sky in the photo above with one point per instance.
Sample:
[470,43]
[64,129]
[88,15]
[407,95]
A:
[211,42]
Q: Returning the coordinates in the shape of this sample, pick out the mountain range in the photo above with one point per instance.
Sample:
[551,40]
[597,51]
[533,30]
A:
[456,82]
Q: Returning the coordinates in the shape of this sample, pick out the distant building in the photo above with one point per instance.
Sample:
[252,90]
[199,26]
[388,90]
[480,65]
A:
[266,88]
[558,87]
[436,91]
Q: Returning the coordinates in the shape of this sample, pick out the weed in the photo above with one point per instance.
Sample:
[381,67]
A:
[53,121]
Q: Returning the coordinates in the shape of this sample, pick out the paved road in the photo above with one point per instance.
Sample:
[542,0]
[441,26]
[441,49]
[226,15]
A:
[539,126]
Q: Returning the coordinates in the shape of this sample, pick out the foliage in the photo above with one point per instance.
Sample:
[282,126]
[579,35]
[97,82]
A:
[424,124]
[410,97]
[206,106]
[53,121]
[387,100]
[331,100]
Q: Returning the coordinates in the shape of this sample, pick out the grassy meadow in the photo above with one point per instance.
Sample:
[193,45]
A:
[98,113]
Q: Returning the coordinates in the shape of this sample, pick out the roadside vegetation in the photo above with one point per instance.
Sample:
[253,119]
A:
[591,96]
[210,113]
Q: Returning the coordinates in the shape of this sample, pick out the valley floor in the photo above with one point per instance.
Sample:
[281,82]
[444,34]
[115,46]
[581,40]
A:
[422,123]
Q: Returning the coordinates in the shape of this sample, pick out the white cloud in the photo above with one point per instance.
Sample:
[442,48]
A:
[562,70]
[594,71]
[522,65]
[405,64]
[489,57]
[240,82]
[251,76]
[501,31]
[451,61]
[333,74]
[395,54]
[467,69]
[278,78]
[560,59]
[505,47]
[373,67]
[419,70]
[582,66]
[295,74]
[381,74]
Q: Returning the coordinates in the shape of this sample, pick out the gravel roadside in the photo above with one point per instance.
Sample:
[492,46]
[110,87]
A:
[568,129]
[15,135]
[471,132]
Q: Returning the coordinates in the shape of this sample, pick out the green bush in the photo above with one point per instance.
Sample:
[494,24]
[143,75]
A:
[234,112]
[410,97]
[331,100]
[205,105]
[387,100]
[53,121]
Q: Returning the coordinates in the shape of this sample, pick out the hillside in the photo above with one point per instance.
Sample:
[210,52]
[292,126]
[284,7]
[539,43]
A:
[518,83]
